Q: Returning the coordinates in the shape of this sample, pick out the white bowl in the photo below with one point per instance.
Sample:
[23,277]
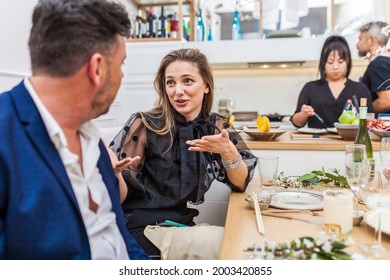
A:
[346,126]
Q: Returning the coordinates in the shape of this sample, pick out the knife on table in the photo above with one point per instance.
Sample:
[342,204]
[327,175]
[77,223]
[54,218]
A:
[314,136]
[314,222]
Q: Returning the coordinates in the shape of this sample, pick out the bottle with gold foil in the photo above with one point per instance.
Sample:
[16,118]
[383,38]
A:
[363,136]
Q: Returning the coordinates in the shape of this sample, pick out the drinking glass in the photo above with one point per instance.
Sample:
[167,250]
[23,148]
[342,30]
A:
[357,168]
[384,153]
[338,209]
[268,169]
[376,197]
[230,104]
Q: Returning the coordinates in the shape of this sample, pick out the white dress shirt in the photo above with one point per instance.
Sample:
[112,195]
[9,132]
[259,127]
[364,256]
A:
[105,239]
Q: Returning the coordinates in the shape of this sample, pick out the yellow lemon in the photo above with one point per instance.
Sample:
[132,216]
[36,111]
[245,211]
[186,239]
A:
[263,124]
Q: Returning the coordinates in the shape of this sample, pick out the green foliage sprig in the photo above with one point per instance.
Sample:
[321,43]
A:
[322,176]
[314,177]
[305,248]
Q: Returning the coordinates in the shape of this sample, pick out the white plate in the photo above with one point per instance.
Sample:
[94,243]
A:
[331,130]
[295,199]
[308,130]
[371,219]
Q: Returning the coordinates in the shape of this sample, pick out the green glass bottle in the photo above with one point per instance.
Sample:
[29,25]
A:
[362,136]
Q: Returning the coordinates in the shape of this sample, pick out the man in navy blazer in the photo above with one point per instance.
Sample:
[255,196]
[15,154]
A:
[59,196]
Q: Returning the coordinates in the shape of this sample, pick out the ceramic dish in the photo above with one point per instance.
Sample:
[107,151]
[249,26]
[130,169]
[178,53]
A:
[307,130]
[263,202]
[252,126]
[371,219]
[347,131]
[381,133]
[295,199]
[264,136]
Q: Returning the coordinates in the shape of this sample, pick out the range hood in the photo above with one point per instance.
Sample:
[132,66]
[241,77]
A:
[259,65]
[263,53]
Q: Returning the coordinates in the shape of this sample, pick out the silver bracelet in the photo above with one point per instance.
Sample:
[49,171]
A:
[231,164]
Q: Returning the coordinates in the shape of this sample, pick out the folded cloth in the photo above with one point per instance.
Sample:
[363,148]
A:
[200,242]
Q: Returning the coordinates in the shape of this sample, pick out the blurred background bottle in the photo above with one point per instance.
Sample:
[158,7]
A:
[348,105]
[161,32]
[236,28]
[200,28]
[174,26]
[151,19]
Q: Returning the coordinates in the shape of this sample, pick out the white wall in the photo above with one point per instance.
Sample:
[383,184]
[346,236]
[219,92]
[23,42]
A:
[15,24]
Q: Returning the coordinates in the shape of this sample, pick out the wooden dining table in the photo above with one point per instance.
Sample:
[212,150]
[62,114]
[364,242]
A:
[241,230]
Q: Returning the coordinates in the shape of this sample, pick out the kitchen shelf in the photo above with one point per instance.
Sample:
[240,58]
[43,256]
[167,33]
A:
[182,6]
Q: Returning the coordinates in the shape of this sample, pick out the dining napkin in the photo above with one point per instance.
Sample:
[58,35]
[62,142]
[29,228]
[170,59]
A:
[200,242]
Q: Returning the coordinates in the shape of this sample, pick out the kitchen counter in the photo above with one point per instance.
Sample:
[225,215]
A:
[285,142]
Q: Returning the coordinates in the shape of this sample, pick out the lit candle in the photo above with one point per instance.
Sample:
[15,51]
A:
[338,209]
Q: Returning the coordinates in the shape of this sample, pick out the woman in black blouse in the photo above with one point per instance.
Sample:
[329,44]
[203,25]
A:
[326,97]
[183,148]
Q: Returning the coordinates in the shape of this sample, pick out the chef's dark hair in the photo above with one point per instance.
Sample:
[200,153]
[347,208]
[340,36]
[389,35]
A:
[340,45]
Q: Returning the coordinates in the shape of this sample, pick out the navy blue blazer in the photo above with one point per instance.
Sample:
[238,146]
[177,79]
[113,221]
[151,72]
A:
[39,214]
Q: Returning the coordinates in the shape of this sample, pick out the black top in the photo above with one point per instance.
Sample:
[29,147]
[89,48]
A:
[377,75]
[169,177]
[318,95]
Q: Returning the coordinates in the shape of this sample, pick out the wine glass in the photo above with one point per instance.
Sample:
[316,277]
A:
[384,153]
[376,197]
[357,168]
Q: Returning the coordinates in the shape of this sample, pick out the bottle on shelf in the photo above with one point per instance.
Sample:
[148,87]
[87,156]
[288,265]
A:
[151,19]
[168,21]
[161,32]
[200,28]
[362,137]
[174,26]
[138,25]
[186,30]
[236,28]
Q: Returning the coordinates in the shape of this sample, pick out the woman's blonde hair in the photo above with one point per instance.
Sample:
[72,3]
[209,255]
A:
[163,108]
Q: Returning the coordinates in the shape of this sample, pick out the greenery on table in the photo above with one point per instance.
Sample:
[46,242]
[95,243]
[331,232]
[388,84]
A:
[314,177]
[305,248]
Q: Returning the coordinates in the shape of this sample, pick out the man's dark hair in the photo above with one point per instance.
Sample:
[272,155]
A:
[66,33]
[340,45]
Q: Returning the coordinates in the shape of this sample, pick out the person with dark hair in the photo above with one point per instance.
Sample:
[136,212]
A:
[327,96]
[372,45]
[59,197]
[183,148]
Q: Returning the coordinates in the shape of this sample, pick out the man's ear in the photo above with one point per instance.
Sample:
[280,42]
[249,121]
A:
[96,69]
[372,40]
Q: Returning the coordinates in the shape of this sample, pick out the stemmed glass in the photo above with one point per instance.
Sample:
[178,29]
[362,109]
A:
[384,153]
[357,168]
[376,197]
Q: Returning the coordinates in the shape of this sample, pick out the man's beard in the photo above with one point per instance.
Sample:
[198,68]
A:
[100,103]
[362,53]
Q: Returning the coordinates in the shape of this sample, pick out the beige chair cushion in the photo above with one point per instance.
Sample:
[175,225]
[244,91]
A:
[200,242]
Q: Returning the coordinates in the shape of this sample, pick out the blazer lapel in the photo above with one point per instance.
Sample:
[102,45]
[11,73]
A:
[37,134]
